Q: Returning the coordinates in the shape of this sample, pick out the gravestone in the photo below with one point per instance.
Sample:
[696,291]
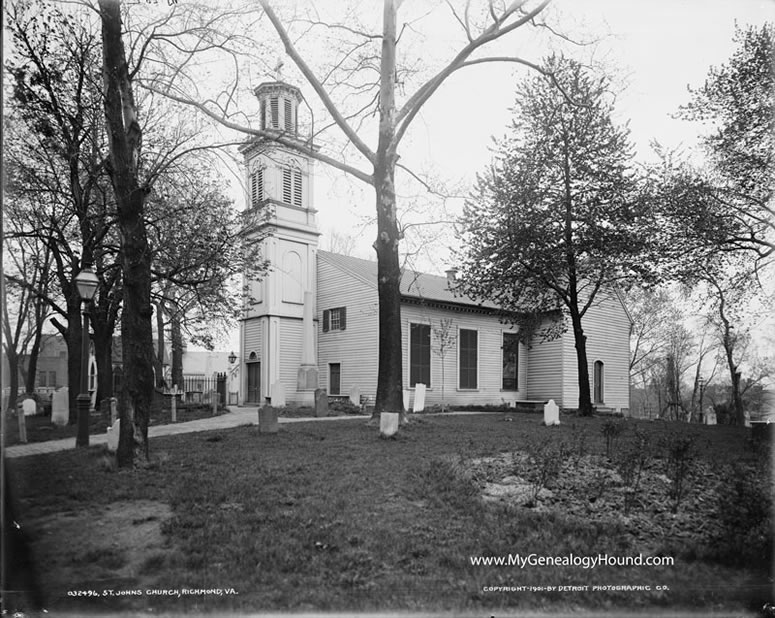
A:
[113,432]
[419,398]
[60,407]
[388,424]
[355,396]
[747,418]
[30,407]
[277,393]
[710,416]
[407,398]
[267,419]
[113,410]
[321,403]
[174,403]
[551,413]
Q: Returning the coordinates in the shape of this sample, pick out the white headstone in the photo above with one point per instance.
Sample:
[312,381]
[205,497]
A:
[407,397]
[113,433]
[419,398]
[30,407]
[60,407]
[551,413]
[277,393]
[355,395]
[388,423]
[747,418]
[710,416]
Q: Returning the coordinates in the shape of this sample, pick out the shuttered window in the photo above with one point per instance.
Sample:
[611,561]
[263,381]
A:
[293,186]
[419,354]
[257,187]
[274,105]
[335,319]
[510,362]
[468,346]
[288,115]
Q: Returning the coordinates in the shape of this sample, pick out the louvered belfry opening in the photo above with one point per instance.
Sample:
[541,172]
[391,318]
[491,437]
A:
[279,104]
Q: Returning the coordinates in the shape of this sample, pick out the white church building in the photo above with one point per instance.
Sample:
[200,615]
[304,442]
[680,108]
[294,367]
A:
[312,322]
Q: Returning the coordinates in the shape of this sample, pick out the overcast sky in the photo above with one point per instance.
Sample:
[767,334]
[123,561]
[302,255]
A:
[656,49]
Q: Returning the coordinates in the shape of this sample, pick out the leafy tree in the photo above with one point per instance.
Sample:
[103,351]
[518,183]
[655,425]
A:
[728,205]
[556,220]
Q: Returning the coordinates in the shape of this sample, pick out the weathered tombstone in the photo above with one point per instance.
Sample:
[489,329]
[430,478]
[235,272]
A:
[60,407]
[710,416]
[388,424]
[747,418]
[355,395]
[113,410]
[267,419]
[419,398]
[277,393]
[407,398]
[174,403]
[214,396]
[30,407]
[321,402]
[113,433]
[551,413]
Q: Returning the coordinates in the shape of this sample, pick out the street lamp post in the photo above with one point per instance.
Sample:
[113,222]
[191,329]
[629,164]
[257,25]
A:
[87,283]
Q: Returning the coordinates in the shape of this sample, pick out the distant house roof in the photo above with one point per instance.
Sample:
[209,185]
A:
[415,286]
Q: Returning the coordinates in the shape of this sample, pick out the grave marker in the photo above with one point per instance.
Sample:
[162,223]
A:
[321,403]
[388,424]
[267,419]
[407,398]
[60,407]
[113,432]
[355,396]
[419,397]
[551,413]
[30,407]
[710,416]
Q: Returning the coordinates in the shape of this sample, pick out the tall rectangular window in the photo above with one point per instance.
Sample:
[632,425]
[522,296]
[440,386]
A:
[334,378]
[468,346]
[419,354]
[510,361]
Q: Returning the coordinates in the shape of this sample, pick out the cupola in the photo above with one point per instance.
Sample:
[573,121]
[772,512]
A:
[279,106]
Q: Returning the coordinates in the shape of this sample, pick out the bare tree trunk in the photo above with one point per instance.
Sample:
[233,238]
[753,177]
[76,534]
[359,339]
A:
[390,379]
[176,337]
[124,137]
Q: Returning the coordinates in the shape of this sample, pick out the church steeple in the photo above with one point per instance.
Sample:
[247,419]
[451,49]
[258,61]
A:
[278,326]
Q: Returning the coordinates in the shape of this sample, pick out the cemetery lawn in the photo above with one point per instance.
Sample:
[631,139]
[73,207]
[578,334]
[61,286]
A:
[327,516]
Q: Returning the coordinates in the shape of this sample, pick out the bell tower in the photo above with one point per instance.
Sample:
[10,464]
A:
[278,346]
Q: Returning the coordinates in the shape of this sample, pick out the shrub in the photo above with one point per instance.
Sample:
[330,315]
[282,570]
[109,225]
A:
[744,509]
[611,431]
[344,406]
[545,460]
[680,454]
[630,461]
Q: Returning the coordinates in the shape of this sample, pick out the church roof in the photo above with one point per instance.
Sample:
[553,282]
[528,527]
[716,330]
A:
[414,285]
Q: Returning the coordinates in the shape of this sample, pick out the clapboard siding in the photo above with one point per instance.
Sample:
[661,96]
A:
[291,335]
[490,357]
[607,328]
[253,338]
[545,371]
[356,347]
